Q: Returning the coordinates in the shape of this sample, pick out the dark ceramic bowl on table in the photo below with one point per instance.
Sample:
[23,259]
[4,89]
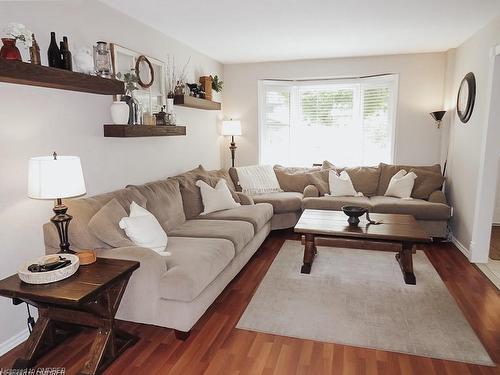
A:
[354,212]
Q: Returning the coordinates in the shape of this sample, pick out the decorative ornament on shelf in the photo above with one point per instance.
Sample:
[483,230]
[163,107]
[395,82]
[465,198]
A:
[11,34]
[175,80]
[206,84]
[102,60]
[131,81]
[438,117]
[84,62]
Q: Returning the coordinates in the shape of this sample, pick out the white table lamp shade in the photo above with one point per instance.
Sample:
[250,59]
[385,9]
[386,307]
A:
[50,178]
[231,127]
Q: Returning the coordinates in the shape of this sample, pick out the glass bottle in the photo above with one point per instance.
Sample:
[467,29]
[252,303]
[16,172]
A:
[67,62]
[35,51]
[54,53]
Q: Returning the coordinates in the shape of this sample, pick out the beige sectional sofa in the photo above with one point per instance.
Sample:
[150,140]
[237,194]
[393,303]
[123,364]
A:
[306,187]
[207,251]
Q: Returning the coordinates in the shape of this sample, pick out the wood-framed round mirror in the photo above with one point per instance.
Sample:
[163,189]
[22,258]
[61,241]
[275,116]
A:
[466,97]
[144,72]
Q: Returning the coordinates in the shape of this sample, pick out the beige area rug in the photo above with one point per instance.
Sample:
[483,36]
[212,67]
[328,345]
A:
[359,298]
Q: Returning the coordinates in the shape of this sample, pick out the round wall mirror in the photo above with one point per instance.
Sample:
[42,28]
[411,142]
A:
[144,72]
[466,97]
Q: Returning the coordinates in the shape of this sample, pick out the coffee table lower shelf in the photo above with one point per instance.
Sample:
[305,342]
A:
[404,251]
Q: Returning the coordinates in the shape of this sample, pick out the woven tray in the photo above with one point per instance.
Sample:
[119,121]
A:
[51,276]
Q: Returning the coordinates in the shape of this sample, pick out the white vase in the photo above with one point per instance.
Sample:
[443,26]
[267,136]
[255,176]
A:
[120,112]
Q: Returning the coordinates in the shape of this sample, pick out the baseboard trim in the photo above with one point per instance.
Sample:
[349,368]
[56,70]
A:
[460,247]
[14,341]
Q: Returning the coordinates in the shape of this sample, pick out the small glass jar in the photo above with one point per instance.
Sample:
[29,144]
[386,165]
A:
[102,60]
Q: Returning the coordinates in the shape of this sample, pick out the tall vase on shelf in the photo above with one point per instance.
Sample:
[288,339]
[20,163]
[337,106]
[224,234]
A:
[9,51]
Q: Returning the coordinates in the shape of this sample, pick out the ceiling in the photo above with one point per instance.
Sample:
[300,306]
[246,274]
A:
[236,31]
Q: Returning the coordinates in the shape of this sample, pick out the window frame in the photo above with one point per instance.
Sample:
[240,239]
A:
[387,80]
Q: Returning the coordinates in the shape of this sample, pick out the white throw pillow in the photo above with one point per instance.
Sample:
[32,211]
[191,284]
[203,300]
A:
[401,185]
[216,199]
[258,179]
[144,230]
[341,185]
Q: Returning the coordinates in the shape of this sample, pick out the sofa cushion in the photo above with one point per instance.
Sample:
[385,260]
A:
[257,215]
[164,201]
[238,232]
[104,225]
[293,178]
[320,180]
[83,209]
[193,265]
[420,209]
[335,203]
[191,196]
[281,202]
[364,179]
[387,171]
[221,173]
[426,183]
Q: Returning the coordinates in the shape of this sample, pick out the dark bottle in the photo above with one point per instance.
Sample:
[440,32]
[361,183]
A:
[53,53]
[66,55]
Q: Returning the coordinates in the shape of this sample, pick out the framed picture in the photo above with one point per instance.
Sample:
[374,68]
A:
[151,72]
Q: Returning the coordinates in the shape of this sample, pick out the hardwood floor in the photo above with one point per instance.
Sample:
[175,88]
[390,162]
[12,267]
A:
[216,347]
[495,243]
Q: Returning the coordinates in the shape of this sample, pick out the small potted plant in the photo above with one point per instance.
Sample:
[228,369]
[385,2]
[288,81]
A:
[217,84]
[11,34]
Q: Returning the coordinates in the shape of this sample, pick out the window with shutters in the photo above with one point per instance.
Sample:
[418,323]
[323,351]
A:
[349,122]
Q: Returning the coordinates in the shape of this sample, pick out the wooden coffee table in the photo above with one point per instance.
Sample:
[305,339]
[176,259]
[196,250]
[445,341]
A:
[330,228]
[88,298]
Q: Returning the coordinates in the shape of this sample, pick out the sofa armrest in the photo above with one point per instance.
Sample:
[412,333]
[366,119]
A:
[438,197]
[142,295]
[153,265]
[245,199]
[311,191]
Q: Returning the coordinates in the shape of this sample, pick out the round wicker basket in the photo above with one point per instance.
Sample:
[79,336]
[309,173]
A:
[50,276]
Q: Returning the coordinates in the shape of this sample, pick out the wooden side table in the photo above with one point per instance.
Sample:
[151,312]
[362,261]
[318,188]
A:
[89,298]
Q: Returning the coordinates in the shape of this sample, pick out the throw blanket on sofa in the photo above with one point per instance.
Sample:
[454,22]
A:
[258,179]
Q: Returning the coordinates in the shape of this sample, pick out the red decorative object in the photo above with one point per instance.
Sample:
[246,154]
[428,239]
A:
[9,50]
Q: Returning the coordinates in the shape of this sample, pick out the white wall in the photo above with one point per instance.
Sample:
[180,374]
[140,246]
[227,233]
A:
[421,90]
[37,121]
[467,140]
[496,214]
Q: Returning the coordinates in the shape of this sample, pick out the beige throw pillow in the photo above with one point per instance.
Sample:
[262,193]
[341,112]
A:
[426,183]
[341,185]
[294,178]
[401,185]
[104,225]
[216,198]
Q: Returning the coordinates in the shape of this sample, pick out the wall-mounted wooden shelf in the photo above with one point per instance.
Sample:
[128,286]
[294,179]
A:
[128,131]
[22,73]
[192,102]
